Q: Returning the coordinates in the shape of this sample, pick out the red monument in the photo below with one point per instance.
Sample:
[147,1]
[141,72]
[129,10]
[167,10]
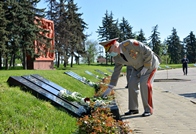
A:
[46,56]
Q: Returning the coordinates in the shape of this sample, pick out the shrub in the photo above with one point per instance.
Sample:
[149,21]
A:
[101,121]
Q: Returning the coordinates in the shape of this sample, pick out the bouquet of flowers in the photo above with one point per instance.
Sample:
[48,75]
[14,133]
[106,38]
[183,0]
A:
[85,101]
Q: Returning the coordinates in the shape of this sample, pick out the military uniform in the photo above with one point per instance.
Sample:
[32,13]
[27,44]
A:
[138,56]
[128,71]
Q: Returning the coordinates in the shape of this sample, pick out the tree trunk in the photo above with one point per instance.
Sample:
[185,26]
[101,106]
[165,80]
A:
[72,59]
[111,60]
[106,59]
[14,58]
[24,59]
[58,60]
[11,59]
[6,62]
[88,60]
[0,61]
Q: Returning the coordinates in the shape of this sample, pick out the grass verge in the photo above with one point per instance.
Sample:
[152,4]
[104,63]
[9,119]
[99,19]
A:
[21,112]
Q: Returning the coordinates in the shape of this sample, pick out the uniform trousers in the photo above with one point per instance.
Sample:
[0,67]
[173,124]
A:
[128,70]
[145,84]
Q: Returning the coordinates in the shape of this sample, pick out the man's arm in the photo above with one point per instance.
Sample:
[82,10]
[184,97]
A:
[116,74]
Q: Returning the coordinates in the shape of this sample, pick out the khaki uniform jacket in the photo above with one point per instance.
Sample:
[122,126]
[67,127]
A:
[138,56]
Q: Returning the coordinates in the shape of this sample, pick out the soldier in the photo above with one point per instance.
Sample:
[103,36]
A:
[144,62]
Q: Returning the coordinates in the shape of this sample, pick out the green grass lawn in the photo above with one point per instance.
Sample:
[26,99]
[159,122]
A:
[23,113]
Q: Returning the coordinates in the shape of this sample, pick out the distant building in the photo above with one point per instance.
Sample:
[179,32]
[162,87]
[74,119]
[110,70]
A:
[101,60]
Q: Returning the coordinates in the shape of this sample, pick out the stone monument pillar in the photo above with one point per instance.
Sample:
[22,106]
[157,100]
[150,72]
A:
[46,55]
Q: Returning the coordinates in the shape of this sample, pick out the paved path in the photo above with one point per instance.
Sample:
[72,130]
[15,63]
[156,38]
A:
[173,113]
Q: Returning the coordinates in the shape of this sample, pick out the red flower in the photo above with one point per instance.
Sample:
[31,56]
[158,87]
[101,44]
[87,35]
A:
[86,99]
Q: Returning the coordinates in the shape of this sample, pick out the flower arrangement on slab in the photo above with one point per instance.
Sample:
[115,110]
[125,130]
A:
[101,119]
[90,83]
[84,101]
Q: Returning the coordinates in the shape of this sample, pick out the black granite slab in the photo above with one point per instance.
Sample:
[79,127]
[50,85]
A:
[96,76]
[111,71]
[79,78]
[46,92]
[101,72]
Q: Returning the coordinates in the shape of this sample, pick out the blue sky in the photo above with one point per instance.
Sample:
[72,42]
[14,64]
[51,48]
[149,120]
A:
[141,14]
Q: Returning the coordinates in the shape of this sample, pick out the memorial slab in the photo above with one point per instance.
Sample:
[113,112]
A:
[47,90]
[111,71]
[96,76]
[80,78]
[99,71]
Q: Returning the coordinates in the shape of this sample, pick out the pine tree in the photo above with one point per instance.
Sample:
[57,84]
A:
[125,30]
[190,47]
[174,47]
[141,37]
[155,42]
[22,30]
[108,30]
[3,32]
[69,29]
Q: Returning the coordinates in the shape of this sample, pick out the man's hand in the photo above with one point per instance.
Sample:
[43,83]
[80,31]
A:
[107,91]
[143,71]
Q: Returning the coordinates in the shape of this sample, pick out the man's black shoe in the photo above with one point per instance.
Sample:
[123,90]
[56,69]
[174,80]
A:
[146,114]
[130,112]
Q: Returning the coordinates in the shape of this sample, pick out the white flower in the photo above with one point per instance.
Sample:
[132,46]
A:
[91,83]
[75,94]
[83,79]
[61,93]
[82,101]
[99,103]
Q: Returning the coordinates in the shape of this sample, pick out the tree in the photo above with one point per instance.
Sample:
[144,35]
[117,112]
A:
[22,30]
[155,42]
[174,47]
[3,32]
[108,30]
[69,27]
[91,51]
[140,37]
[190,47]
[125,30]
[77,28]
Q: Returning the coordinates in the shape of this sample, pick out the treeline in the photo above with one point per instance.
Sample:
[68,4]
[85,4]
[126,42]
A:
[19,28]
[171,50]
[18,31]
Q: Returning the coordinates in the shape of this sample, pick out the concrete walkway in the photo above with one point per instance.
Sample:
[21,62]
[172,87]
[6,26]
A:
[174,104]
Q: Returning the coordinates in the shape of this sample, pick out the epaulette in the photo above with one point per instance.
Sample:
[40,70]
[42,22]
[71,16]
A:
[136,43]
